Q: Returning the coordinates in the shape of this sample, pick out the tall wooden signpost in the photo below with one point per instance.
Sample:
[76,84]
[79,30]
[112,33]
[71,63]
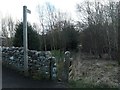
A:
[25,41]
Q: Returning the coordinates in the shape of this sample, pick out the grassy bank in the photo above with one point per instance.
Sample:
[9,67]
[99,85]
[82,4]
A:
[85,84]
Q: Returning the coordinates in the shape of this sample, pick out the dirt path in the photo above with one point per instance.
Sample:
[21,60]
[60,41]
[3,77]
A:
[11,79]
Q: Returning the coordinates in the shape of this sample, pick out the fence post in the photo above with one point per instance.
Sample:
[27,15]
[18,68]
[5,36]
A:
[53,69]
[66,66]
[70,69]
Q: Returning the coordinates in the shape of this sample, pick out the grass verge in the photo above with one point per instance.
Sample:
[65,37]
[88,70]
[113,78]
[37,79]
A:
[83,84]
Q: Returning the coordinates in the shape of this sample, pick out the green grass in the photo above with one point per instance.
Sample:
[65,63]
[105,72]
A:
[83,84]
[119,63]
[58,54]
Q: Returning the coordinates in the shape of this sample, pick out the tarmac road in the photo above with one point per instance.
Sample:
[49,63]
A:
[11,79]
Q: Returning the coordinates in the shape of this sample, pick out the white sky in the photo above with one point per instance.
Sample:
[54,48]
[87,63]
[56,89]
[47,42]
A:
[14,8]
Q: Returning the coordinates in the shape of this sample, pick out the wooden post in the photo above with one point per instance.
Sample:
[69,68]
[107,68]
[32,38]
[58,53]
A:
[118,33]
[66,66]
[25,38]
[50,68]
[1,62]
[53,69]
[70,69]
[25,42]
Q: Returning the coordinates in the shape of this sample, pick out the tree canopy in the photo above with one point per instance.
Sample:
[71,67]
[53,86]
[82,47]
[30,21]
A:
[33,37]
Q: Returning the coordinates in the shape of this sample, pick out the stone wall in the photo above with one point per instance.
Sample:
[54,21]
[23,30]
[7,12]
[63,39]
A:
[41,64]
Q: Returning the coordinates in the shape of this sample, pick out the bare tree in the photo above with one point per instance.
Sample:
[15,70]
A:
[102,24]
[8,29]
[42,22]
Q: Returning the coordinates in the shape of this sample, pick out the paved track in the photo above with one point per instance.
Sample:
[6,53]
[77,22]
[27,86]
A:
[11,79]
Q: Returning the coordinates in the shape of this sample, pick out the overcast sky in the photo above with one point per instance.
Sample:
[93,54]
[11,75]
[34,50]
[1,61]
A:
[14,7]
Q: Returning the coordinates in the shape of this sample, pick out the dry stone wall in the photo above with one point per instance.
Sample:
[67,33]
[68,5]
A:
[39,62]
